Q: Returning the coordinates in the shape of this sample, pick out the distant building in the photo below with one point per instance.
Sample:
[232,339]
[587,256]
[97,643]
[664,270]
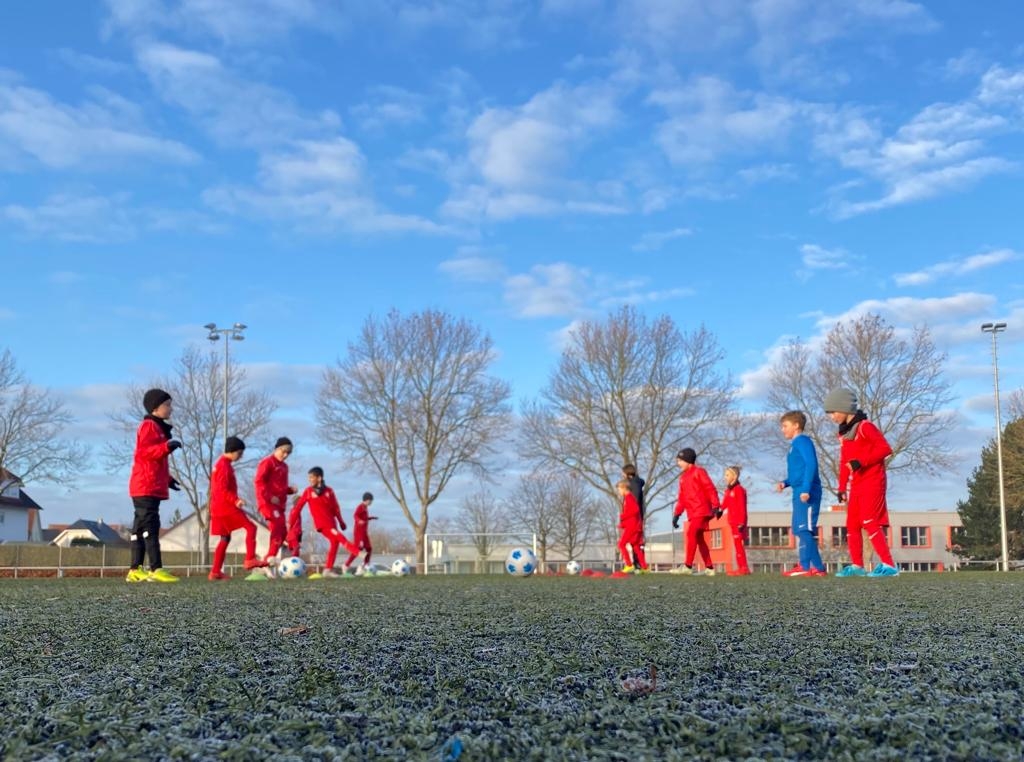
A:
[84,531]
[187,535]
[19,513]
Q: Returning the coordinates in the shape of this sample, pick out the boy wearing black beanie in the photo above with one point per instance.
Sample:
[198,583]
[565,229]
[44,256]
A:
[148,485]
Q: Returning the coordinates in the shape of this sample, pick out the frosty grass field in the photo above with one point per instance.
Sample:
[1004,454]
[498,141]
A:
[659,667]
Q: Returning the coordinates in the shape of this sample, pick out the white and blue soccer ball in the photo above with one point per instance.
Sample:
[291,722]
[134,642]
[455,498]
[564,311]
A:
[291,567]
[521,562]
[400,568]
[573,568]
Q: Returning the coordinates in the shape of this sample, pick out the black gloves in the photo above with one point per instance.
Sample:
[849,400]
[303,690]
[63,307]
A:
[173,445]
[718,513]
[174,485]
[675,521]
[855,465]
[841,497]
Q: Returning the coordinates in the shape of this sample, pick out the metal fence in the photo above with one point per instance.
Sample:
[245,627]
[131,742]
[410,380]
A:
[34,560]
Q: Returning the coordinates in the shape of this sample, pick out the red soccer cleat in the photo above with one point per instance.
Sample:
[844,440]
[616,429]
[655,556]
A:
[216,575]
[254,563]
[738,572]
[818,573]
[796,571]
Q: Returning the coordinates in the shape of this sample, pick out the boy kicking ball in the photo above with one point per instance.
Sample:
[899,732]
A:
[323,505]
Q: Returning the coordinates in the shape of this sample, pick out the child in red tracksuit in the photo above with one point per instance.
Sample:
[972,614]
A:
[863,451]
[148,486]
[699,499]
[734,505]
[226,514]
[323,505]
[272,491]
[631,541]
[361,538]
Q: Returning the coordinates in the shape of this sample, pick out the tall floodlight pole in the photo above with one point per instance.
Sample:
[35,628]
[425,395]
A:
[994,329]
[234,333]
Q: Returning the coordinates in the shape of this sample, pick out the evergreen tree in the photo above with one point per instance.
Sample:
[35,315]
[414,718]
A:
[980,537]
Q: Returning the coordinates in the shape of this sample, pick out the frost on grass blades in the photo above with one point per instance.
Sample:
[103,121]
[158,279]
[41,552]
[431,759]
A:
[521,562]
[400,568]
[291,567]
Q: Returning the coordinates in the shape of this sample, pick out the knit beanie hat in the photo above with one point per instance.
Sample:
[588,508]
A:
[687,455]
[153,399]
[840,401]
[233,444]
[282,442]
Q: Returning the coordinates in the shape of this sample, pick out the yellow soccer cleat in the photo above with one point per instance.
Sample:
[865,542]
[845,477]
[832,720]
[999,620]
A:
[162,575]
[137,575]
[629,569]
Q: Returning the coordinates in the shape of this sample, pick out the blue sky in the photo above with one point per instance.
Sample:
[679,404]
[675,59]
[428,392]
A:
[764,167]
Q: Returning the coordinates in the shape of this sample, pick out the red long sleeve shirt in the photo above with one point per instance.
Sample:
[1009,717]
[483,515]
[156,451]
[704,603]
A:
[271,481]
[324,509]
[698,497]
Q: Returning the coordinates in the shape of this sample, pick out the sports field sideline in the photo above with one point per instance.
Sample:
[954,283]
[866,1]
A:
[487,667]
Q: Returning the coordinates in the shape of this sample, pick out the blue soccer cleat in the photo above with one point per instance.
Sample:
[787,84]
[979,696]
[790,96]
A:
[852,571]
[884,570]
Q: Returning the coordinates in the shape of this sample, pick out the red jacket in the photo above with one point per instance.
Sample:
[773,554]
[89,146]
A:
[630,521]
[734,503]
[697,494]
[361,520]
[223,488]
[867,485]
[271,481]
[323,507]
[151,470]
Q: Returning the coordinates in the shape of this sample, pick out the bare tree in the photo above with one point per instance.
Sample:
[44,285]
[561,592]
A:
[34,423]
[631,391]
[413,401]
[481,518]
[1015,405]
[197,387]
[899,382]
[577,512]
[396,541]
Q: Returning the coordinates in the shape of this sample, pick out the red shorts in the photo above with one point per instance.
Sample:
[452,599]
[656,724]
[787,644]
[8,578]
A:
[225,524]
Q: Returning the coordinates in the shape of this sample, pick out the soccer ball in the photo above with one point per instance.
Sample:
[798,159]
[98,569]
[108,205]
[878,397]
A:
[400,568]
[291,567]
[573,568]
[521,562]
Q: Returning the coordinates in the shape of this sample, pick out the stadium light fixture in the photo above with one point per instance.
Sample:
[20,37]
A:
[995,329]
[234,333]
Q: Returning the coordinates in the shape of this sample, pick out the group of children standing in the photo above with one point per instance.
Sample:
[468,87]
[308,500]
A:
[150,481]
[862,486]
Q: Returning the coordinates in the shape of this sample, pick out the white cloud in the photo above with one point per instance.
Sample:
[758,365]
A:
[94,136]
[909,311]
[1001,86]
[93,218]
[230,22]
[709,119]
[473,269]
[956,267]
[234,111]
[654,241]
[555,290]
[814,257]
[389,106]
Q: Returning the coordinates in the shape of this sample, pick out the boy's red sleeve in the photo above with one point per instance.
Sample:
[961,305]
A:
[295,515]
[709,489]
[261,480]
[151,444]
[872,447]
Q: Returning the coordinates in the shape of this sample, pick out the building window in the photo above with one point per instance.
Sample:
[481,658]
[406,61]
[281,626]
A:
[919,566]
[914,537]
[838,539]
[769,537]
[716,538]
